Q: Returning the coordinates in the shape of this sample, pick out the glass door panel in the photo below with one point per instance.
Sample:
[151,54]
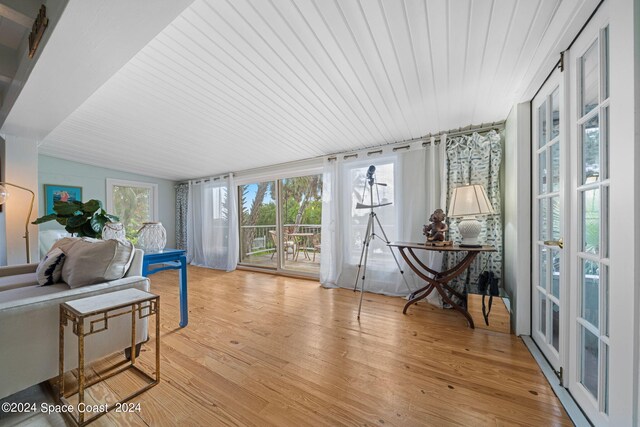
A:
[590,196]
[548,311]
[301,215]
[258,231]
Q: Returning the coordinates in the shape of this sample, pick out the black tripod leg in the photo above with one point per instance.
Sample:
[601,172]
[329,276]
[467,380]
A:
[366,236]
[364,271]
[386,240]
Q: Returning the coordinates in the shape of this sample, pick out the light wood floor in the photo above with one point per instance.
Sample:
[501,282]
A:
[267,350]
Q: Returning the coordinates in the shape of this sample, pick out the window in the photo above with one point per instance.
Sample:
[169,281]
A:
[357,217]
[133,202]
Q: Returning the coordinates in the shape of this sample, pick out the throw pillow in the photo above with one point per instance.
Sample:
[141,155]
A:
[49,270]
[91,261]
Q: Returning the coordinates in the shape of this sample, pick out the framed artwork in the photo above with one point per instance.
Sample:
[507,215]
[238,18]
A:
[65,193]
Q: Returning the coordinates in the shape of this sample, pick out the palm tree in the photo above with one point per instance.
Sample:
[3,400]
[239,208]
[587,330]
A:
[254,213]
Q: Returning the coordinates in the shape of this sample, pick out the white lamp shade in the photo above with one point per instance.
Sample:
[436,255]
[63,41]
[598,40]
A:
[469,200]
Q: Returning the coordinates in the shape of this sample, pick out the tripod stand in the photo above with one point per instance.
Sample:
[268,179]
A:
[370,235]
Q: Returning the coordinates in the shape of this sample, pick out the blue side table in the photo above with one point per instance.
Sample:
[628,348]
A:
[170,259]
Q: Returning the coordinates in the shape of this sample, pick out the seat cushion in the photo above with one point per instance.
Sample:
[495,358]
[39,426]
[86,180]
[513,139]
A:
[90,261]
[17,294]
[17,281]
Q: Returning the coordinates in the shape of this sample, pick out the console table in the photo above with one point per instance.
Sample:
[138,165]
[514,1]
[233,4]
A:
[440,280]
[91,315]
[170,259]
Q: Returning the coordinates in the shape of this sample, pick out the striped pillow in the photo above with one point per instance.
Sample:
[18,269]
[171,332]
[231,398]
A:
[49,270]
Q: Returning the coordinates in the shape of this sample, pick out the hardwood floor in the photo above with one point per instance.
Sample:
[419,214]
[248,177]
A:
[268,350]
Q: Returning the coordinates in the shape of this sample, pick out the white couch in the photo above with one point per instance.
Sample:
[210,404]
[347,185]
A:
[29,319]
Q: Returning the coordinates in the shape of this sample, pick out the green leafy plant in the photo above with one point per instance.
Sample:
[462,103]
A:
[82,219]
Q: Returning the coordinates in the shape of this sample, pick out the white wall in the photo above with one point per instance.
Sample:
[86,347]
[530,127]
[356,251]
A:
[517,216]
[21,168]
[93,181]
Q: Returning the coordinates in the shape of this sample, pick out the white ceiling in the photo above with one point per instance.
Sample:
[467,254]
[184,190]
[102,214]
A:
[236,84]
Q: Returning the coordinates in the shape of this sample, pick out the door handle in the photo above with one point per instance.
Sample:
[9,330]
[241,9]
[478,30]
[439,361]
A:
[559,243]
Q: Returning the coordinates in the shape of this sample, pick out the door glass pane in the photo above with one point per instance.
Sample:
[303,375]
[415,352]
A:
[133,206]
[555,167]
[542,124]
[258,234]
[591,221]
[542,172]
[301,201]
[606,221]
[543,267]
[605,42]
[555,218]
[590,79]
[542,218]
[555,326]
[543,314]
[604,275]
[591,150]
[605,354]
[605,144]
[590,292]
[555,272]
[589,362]
[555,113]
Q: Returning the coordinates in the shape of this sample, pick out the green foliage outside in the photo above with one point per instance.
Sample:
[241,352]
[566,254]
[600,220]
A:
[131,204]
[301,204]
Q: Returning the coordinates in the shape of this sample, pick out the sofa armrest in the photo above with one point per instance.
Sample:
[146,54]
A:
[135,269]
[14,270]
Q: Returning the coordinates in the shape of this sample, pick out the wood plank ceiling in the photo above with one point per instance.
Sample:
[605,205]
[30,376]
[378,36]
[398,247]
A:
[236,84]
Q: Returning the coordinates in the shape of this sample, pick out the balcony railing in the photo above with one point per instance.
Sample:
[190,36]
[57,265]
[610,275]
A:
[262,242]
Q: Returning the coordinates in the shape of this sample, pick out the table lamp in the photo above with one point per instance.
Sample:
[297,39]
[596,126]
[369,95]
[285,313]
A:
[4,195]
[467,202]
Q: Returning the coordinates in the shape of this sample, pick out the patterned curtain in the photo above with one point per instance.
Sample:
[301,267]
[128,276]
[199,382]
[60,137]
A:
[476,159]
[182,200]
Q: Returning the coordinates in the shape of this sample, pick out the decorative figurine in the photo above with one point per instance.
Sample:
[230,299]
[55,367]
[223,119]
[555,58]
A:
[435,231]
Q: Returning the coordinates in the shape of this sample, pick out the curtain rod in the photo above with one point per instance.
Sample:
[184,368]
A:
[426,139]
[482,127]
[201,180]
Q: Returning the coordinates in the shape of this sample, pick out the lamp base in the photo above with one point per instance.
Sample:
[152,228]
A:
[470,228]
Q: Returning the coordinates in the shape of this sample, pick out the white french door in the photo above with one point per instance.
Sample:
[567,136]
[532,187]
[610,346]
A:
[571,187]
[549,152]
[589,249]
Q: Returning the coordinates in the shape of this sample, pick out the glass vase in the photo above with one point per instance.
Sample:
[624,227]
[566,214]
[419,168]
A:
[152,237]
[113,231]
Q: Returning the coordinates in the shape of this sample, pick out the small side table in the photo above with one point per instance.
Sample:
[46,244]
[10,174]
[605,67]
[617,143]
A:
[440,279]
[170,259]
[94,313]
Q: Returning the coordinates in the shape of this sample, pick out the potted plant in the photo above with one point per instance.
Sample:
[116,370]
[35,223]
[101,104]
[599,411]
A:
[81,219]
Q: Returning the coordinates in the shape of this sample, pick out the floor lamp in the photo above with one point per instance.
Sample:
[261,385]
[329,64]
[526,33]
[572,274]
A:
[4,195]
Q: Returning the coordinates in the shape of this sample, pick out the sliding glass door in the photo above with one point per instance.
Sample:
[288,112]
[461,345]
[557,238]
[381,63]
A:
[301,213]
[258,228]
[280,224]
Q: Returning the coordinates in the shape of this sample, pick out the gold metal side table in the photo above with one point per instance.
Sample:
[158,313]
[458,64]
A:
[91,315]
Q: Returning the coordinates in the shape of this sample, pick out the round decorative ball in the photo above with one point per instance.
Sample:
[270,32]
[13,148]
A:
[113,231]
[152,237]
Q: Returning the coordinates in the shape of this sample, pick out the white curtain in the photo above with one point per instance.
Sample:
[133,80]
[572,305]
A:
[413,185]
[212,226]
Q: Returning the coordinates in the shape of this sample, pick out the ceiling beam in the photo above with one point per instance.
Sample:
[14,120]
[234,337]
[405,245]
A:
[15,16]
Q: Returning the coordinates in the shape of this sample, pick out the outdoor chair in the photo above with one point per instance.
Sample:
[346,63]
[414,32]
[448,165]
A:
[288,244]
